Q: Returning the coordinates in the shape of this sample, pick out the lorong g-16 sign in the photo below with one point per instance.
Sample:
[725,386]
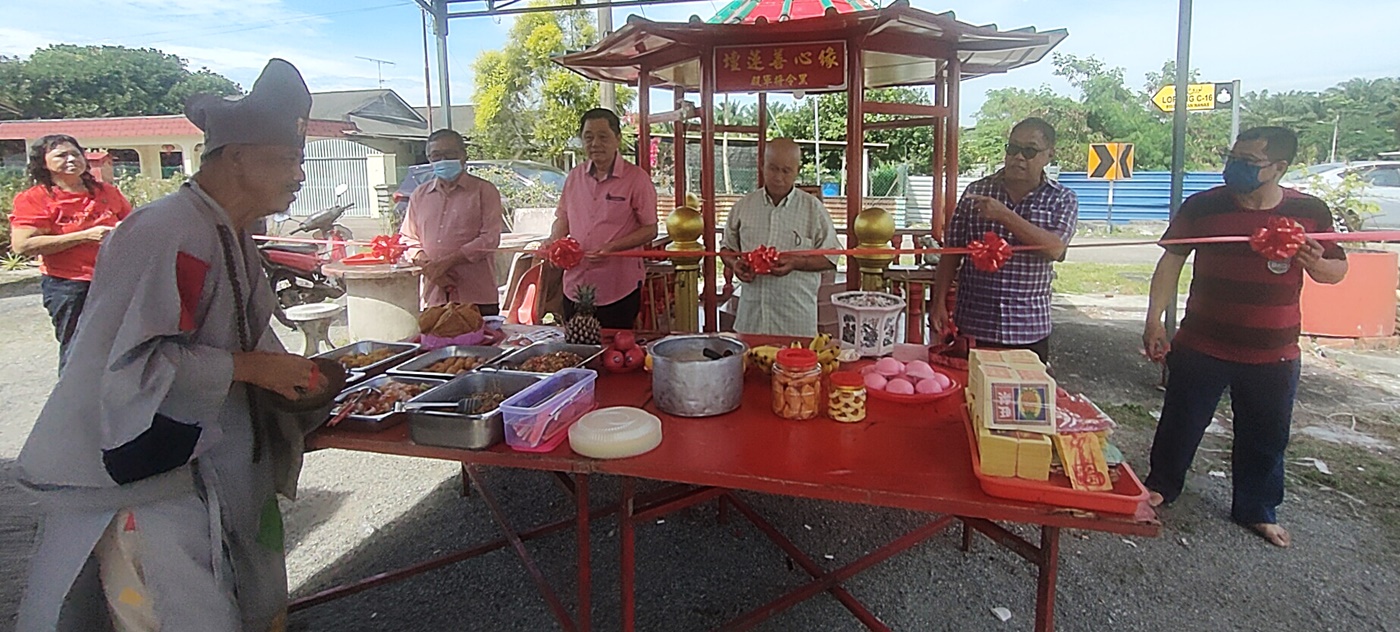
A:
[809,67]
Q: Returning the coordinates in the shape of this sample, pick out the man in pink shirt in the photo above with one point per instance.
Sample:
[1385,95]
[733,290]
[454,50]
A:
[454,224]
[608,205]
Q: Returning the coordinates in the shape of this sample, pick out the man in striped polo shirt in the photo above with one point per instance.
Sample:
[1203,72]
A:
[1241,327]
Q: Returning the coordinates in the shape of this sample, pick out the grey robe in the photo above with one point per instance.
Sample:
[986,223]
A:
[147,414]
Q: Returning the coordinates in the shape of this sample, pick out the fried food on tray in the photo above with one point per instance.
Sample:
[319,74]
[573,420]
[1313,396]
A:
[361,360]
[551,362]
[456,365]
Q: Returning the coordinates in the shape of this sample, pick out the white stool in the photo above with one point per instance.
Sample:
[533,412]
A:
[314,323]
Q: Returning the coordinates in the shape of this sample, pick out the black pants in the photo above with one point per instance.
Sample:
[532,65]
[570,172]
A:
[63,298]
[620,314]
[488,309]
[1040,347]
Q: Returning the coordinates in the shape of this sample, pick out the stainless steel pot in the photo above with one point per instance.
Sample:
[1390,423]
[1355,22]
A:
[697,376]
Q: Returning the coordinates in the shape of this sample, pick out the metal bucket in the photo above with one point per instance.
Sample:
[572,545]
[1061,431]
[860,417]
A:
[686,383]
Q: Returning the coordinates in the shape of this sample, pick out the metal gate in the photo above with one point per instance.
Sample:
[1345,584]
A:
[331,162]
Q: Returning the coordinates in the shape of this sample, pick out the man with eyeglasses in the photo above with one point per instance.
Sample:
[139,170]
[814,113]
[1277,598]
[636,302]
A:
[1240,330]
[1009,308]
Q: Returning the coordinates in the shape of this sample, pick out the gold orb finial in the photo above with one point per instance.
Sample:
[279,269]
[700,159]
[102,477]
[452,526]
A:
[685,224]
[874,227]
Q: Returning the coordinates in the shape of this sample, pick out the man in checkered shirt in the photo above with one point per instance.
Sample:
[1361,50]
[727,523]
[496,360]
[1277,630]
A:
[1009,308]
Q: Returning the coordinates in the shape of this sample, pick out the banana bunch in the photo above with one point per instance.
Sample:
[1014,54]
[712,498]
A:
[826,352]
[764,356]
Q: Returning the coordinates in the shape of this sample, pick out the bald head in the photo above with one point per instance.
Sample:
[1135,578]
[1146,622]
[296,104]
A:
[782,160]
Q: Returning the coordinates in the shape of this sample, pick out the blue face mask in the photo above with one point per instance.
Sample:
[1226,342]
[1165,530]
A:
[447,169]
[1242,178]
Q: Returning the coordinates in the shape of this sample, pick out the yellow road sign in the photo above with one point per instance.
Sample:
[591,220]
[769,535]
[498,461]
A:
[1110,161]
[1199,97]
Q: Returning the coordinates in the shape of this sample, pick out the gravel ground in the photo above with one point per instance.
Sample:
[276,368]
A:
[360,514]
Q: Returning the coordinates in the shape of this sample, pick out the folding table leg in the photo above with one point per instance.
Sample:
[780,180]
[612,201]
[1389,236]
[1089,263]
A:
[966,537]
[628,561]
[585,578]
[466,482]
[1045,584]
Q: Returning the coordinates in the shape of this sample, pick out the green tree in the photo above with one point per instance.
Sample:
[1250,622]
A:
[67,81]
[526,105]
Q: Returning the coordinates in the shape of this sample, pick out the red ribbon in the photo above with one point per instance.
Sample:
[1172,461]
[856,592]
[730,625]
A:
[761,259]
[991,253]
[388,247]
[564,254]
[1278,240]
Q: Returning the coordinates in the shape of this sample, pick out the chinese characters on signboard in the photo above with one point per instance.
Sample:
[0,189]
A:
[780,67]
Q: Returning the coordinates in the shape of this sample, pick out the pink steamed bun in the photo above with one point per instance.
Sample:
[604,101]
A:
[918,370]
[929,386]
[889,367]
[875,381]
[899,386]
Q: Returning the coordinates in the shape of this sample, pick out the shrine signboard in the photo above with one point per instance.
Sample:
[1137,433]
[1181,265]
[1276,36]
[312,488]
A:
[809,67]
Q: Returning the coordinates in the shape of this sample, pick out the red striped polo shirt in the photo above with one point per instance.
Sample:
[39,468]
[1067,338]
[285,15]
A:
[1238,309]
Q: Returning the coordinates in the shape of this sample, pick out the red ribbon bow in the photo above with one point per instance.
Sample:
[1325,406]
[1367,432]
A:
[1278,240]
[564,254]
[990,254]
[761,259]
[388,247]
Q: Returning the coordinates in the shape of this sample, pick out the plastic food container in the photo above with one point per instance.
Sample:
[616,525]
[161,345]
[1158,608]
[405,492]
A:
[846,400]
[615,433]
[479,431]
[868,321]
[537,419]
[796,384]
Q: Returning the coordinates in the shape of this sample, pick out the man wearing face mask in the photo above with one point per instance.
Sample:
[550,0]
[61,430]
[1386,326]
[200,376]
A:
[1009,308]
[453,225]
[1241,327]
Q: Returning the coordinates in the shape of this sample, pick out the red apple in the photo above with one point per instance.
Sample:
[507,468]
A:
[624,340]
[615,361]
[634,357]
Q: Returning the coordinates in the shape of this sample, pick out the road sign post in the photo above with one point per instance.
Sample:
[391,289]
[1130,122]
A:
[1112,162]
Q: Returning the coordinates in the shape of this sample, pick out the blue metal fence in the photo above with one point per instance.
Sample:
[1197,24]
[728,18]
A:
[1146,197]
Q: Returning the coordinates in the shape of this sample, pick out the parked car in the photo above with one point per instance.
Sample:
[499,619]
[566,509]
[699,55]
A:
[528,171]
[1382,178]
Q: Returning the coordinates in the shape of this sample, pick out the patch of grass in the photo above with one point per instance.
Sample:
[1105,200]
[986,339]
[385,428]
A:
[1077,277]
[13,261]
[1373,484]
[1131,415]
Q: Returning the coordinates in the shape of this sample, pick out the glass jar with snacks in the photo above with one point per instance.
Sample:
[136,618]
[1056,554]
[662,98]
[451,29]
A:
[846,401]
[797,384]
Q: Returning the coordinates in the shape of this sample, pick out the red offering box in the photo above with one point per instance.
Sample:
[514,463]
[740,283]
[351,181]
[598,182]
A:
[1125,497]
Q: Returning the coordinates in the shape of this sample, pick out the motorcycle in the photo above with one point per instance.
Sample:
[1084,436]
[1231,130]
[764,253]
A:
[294,270]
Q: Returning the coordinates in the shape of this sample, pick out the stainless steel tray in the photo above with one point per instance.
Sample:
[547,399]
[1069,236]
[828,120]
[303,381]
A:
[470,432]
[403,351]
[375,423]
[512,362]
[418,367]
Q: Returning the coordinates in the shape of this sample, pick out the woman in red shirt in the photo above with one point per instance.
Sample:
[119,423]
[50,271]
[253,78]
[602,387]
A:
[62,219]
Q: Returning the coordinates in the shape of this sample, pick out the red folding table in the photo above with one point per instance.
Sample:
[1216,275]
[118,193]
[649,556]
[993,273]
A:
[902,456]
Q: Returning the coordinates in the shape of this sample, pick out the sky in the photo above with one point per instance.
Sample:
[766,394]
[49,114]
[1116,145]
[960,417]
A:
[1277,45]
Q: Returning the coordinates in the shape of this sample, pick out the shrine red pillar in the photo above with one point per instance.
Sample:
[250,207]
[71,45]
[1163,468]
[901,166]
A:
[855,143]
[937,205]
[950,190]
[707,182]
[762,133]
[644,119]
[678,151]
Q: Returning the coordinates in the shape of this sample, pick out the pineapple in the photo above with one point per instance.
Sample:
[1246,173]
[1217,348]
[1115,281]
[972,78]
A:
[583,328]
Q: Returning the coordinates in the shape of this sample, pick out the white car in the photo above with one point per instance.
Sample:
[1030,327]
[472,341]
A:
[1382,178]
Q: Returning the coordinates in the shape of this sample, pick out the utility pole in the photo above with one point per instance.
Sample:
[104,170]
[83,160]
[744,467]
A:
[1183,81]
[379,67]
[607,93]
[427,75]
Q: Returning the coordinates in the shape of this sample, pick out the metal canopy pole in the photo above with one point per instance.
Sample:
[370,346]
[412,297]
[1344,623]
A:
[440,29]
[1183,80]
